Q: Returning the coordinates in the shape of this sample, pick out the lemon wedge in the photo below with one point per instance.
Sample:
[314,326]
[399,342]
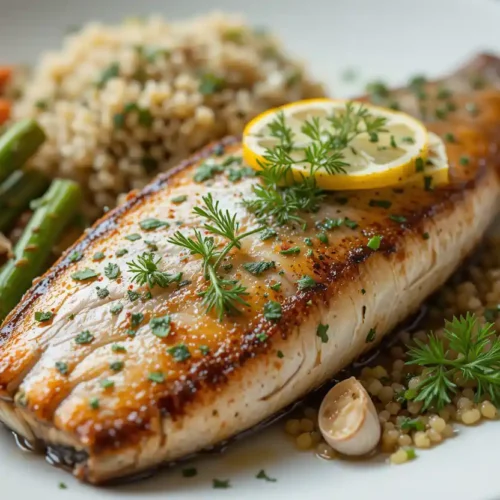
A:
[435,170]
[343,144]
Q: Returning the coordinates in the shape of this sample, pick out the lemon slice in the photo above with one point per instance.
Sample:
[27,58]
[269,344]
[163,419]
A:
[370,159]
[435,170]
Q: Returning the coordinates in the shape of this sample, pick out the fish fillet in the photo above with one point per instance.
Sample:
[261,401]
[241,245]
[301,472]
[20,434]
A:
[94,403]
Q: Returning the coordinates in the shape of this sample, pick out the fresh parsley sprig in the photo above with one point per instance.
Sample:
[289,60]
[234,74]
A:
[221,294]
[478,361]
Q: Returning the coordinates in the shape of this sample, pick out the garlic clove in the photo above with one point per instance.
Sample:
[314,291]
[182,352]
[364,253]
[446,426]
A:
[348,419]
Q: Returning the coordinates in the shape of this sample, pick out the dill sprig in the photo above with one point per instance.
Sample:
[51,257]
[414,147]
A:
[145,270]
[281,195]
[221,294]
[477,360]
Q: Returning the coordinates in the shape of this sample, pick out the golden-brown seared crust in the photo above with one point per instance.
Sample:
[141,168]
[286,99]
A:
[29,351]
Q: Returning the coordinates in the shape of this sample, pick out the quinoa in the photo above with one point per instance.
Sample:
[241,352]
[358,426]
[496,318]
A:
[405,427]
[122,103]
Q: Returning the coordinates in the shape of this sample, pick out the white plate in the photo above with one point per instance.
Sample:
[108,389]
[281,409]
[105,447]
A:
[380,38]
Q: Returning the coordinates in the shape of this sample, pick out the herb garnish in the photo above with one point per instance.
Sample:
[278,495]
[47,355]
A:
[160,326]
[133,237]
[267,234]
[179,352]
[262,475]
[257,268]
[219,483]
[102,293]
[189,472]
[112,271]
[272,310]
[158,377]
[323,153]
[116,366]
[84,274]
[371,335]
[380,203]
[305,282]
[116,308]
[43,316]
[221,294]
[374,242]
[62,367]
[84,337]
[94,403]
[98,256]
[75,256]
[321,332]
[290,251]
[474,362]
[151,223]
[145,270]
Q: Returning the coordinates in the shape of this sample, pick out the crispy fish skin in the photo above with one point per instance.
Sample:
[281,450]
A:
[254,367]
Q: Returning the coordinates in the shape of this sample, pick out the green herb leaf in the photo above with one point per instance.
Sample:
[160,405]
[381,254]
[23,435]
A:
[374,242]
[94,403]
[189,472]
[102,293]
[116,308]
[306,282]
[132,295]
[62,367]
[136,319]
[272,310]
[262,475]
[290,251]
[75,256]
[133,237]
[151,223]
[257,268]
[398,218]
[160,326]
[411,424]
[220,483]
[179,199]
[267,234]
[380,203]
[112,271]
[84,274]
[371,335]
[210,83]
[116,366]
[179,352]
[43,316]
[107,383]
[158,377]
[121,252]
[206,171]
[84,337]
[321,332]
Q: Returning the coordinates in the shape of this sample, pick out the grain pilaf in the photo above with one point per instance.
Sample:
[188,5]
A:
[121,103]
[475,289]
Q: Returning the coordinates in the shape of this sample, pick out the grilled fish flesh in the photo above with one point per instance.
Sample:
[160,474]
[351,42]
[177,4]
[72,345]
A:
[115,393]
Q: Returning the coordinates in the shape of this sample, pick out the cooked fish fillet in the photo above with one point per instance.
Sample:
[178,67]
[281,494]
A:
[51,382]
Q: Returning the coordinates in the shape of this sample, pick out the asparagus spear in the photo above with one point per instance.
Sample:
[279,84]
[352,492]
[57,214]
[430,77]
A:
[17,192]
[57,207]
[18,144]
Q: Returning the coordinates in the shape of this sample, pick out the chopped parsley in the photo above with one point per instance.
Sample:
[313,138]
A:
[262,475]
[75,256]
[371,335]
[160,326]
[94,403]
[179,352]
[419,165]
[308,242]
[428,183]
[116,366]
[43,316]
[204,349]
[206,171]
[62,367]
[133,237]
[276,287]
[381,203]
[179,199]
[84,274]
[112,71]
[306,282]
[112,271]
[321,332]
[121,252]
[374,242]
[118,348]
[323,238]
[136,319]
[411,424]
[290,251]
[107,383]
[151,223]
[102,293]
[449,137]
[261,337]
[84,337]
[280,354]
[398,218]
[267,234]
[116,308]
[426,236]
[257,268]
[151,245]
[272,310]
[132,295]
[220,483]
[98,256]
[158,377]
[464,160]
[350,223]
